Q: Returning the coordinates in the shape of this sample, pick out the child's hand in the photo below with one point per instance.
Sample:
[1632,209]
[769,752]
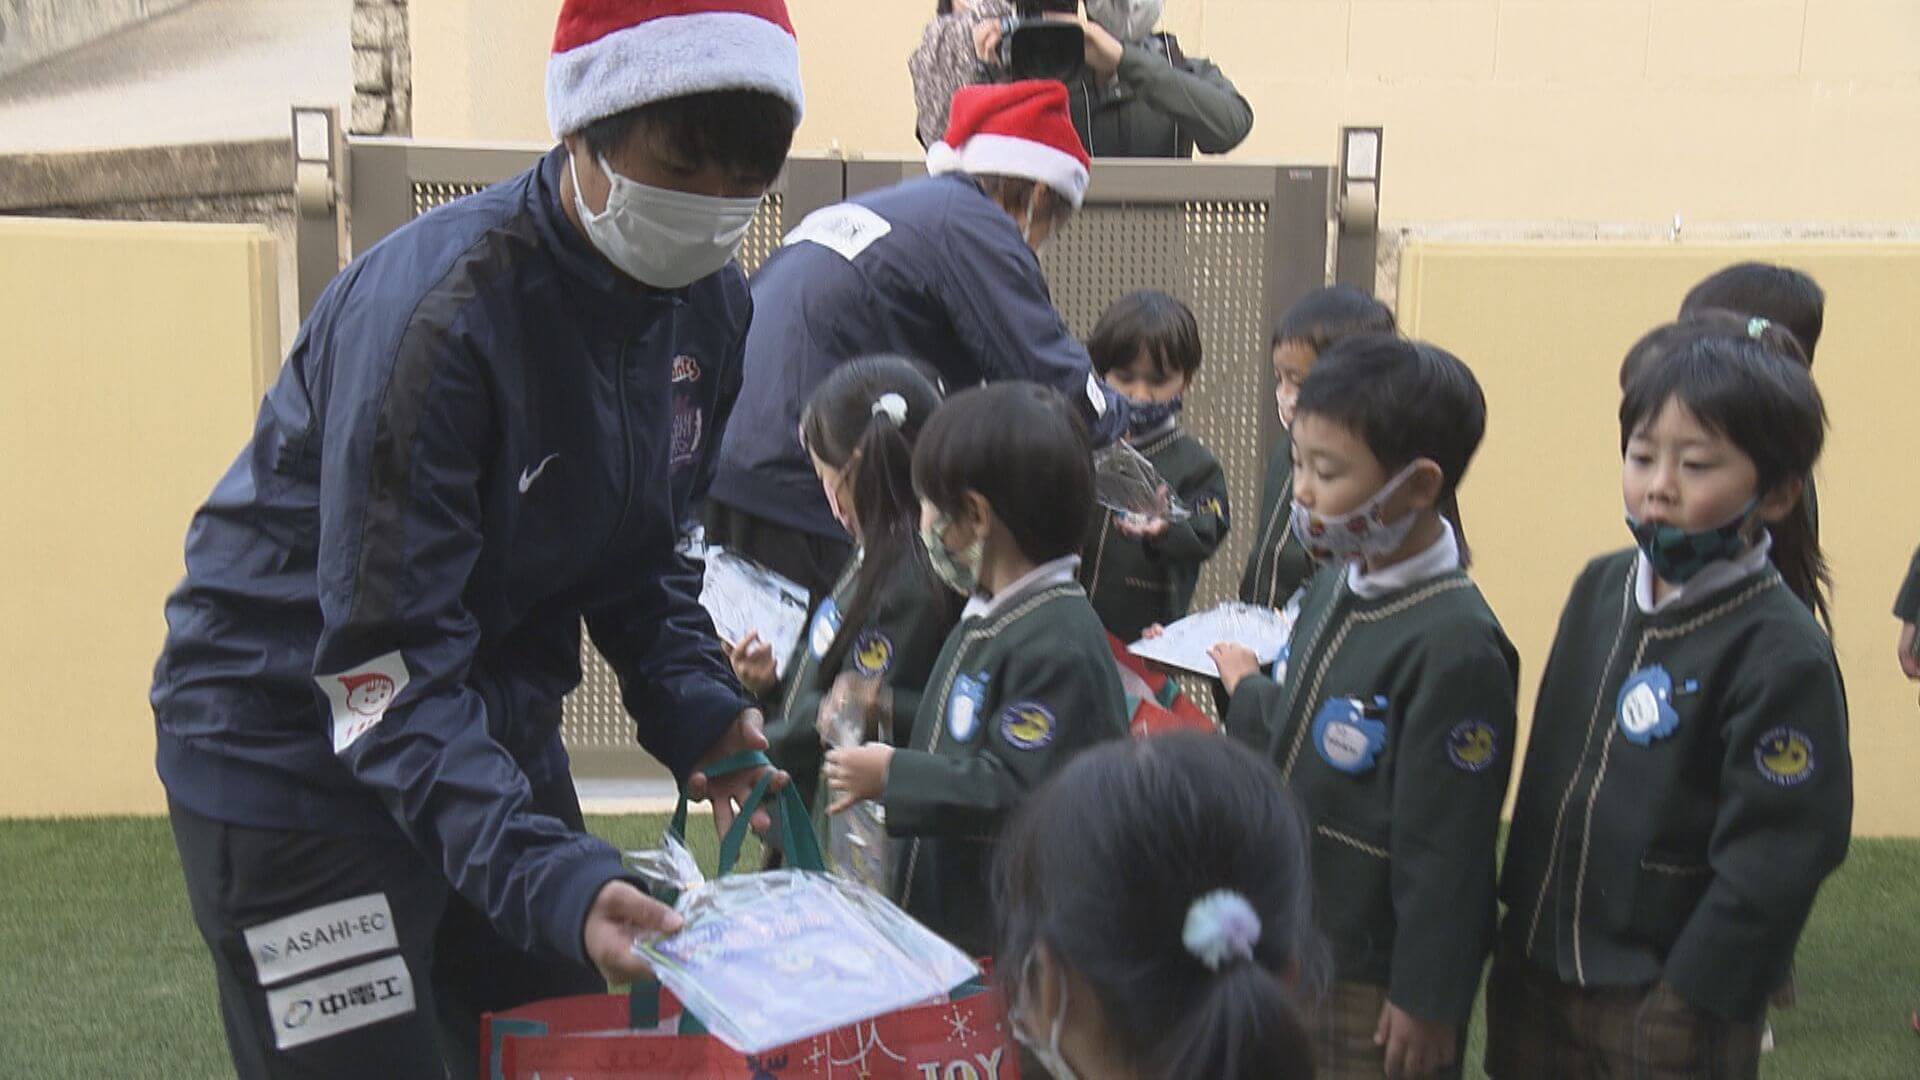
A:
[1909,663]
[1141,527]
[1151,632]
[857,774]
[1235,662]
[752,661]
[1414,1046]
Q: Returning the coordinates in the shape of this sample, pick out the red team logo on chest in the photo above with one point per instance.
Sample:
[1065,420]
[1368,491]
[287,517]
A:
[689,423]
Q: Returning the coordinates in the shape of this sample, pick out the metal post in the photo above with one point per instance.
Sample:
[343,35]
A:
[319,178]
[1356,260]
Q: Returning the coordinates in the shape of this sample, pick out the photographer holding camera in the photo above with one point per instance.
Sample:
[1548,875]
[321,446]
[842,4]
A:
[1133,93]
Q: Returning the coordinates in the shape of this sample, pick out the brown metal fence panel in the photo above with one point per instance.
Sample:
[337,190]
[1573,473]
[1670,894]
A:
[1236,243]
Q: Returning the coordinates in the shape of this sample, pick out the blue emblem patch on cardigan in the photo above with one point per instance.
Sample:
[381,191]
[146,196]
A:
[1028,725]
[1473,746]
[1785,756]
[963,707]
[1347,738]
[872,654]
[1645,709]
[826,627]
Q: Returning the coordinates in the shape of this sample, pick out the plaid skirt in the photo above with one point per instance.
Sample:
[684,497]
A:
[1538,1026]
[1343,1028]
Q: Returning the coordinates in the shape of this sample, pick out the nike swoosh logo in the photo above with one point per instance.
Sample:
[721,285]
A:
[529,476]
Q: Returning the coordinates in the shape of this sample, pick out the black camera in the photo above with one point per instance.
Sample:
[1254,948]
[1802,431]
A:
[1033,47]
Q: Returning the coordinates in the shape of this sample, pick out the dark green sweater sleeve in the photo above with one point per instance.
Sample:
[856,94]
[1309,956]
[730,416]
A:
[1197,95]
[1785,815]
[1250,712]
[1455,756]
[931,794]
[1907,605]
[1197,538]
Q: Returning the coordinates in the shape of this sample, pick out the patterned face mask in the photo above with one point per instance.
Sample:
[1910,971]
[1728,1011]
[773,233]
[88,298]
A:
[1358,534]
[961,573]
[1676,555]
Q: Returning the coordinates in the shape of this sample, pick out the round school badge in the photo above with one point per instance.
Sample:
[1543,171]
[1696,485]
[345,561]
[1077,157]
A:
[1472,746]
[1645,708]
[1785,756]
[1027,725]
[1347,738]
[826,626]
[872,654]
[963,707]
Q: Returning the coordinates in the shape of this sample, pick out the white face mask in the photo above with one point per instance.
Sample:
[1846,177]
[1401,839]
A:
[1049,1056]
[666,239]
[1128,20]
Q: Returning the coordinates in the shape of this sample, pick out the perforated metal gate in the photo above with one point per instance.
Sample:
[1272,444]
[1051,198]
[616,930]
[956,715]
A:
[1238,243]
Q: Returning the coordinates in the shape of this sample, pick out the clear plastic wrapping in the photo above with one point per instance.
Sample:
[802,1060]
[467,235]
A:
[772,958]
[1125,482]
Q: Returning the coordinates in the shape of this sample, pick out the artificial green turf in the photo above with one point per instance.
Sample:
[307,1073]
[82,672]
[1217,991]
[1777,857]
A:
[103,975]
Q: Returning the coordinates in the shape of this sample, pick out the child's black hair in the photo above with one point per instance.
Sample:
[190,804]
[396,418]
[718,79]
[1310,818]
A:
[1406,400]
[1022,448]
[1101,867]
[747,133]
[1747,389]
[1150,321]
[1324,316]
[1779,294]
[846,424]
[1663,341]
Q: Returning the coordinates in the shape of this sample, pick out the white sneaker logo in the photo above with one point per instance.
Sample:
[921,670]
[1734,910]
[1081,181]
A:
[529,476]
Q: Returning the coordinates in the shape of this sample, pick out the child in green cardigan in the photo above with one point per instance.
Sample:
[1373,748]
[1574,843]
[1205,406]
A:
[1688,783]
[1277,566]
[1025,681]
[876,636]
[1139,574]
[1394,724]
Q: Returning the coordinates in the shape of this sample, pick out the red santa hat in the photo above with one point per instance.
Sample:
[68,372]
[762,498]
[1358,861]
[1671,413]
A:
[1015,129]
[613,55]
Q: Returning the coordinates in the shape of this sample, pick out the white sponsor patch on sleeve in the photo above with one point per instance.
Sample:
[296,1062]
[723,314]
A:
[845,229]
[360,696]
[1096,395]
[341,1002]
[321,937]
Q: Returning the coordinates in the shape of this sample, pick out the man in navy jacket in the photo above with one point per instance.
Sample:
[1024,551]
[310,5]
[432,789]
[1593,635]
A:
[942,269]
[490,427]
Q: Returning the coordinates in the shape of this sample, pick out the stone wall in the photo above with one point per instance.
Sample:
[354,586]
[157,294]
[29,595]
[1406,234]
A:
[33,30]
[382,69]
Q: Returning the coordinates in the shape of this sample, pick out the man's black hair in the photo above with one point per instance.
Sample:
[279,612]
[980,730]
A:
[747,133]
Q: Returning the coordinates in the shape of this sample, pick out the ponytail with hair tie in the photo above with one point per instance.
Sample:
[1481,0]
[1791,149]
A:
[1221,927]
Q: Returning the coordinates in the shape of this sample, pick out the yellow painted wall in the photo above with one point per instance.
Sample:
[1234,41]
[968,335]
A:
[1618,111]
[1545,328]
[132,358]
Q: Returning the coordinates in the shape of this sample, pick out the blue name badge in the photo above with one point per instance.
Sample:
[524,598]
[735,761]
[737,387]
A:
[963,707]
[1347,738]
[1645,709]
[826,626]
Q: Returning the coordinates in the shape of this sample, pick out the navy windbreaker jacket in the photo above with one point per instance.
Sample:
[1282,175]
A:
[933,269]
[482,434]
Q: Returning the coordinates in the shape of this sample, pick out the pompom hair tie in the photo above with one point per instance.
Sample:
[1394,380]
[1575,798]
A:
[1221,927]
[893,407]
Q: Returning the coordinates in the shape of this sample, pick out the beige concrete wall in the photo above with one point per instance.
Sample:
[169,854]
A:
[1545,328]
[135,357]
[1625,111]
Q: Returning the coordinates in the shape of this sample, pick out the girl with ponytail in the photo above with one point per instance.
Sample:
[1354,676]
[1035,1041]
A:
[1153,917]
[873,640]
